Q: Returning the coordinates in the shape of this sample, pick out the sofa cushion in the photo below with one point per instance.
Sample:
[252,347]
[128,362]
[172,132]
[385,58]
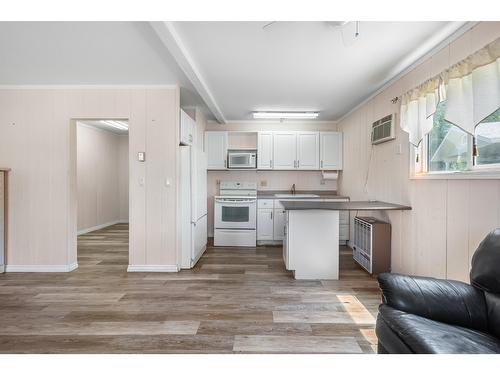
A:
[484,273]
[423,335]
[447,301]
[493,304]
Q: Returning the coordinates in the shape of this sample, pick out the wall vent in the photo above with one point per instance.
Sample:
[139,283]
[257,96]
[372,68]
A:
[383,129]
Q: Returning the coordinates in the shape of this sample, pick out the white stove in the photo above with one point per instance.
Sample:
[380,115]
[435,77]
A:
[235,214]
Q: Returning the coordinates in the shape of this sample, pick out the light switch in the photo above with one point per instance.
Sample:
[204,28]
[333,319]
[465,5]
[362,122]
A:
[142,181]
[141,156]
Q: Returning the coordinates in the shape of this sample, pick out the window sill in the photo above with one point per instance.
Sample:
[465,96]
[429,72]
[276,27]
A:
[477,174]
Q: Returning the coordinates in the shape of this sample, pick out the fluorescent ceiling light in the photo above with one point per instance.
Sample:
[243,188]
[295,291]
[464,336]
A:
[283,115]
[116,124]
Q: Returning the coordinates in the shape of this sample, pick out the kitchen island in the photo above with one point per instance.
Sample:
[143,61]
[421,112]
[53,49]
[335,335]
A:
[311,244]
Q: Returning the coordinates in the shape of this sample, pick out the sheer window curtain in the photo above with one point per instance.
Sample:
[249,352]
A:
[471,89]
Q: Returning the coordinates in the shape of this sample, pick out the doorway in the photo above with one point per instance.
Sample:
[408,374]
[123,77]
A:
[102,192]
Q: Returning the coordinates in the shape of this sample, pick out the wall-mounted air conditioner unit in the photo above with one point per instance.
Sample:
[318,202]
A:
[383,129]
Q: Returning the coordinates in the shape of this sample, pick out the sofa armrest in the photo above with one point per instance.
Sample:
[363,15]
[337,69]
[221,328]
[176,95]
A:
[446,301]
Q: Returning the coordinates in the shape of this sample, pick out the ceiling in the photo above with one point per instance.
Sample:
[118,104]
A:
[89,53]
[229,69]
[103,126]
[302,66]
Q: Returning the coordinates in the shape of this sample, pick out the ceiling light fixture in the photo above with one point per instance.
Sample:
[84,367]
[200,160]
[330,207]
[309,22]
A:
[116,124]
[285,115]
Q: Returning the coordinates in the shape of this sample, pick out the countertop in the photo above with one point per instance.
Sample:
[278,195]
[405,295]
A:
[343,206]
[323,194]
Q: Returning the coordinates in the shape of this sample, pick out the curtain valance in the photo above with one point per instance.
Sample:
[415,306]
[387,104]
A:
[471,89]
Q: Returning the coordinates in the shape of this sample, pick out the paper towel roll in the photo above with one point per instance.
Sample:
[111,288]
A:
[329,175]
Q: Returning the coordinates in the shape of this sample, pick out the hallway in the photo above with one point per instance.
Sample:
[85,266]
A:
[233,301]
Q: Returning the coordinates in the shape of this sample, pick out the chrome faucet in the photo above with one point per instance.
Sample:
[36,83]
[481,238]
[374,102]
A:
[292,190]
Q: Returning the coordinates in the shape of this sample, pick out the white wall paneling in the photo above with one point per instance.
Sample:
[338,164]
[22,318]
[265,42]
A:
[38,142]
[449,217]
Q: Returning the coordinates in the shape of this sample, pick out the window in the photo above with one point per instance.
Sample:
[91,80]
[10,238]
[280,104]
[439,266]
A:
[447,145]
[487,137]
[449,149]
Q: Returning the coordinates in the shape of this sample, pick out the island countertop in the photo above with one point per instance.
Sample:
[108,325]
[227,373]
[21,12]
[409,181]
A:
[321,194]
[343,206]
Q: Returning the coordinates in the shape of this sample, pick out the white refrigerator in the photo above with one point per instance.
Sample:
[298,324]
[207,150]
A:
[193,189]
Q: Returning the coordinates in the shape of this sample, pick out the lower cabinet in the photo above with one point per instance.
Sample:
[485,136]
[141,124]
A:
[265,225]
[271,221]
[344,226]
[279,224]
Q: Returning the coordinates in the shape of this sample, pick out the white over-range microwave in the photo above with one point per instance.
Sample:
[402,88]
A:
[242,159]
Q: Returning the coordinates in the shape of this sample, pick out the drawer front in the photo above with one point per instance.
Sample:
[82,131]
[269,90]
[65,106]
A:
[343,232]
[265,203]
[344,217]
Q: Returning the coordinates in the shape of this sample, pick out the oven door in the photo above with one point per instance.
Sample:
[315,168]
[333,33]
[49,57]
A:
[242,160]
[235,213]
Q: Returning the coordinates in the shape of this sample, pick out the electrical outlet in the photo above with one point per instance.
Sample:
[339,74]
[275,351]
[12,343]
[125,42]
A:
[263,183]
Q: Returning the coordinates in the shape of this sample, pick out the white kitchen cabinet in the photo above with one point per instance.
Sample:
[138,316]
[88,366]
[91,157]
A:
[307,150]
[265,150]
[331,150]
[265,224]
[279,224]
[216,149]
[187,129]
[284,150]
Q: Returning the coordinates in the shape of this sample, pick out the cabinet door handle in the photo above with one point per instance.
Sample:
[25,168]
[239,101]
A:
[298,163]
[271,163]
[271,215]
[225,162]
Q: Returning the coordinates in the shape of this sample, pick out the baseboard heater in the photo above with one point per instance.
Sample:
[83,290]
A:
[372,244]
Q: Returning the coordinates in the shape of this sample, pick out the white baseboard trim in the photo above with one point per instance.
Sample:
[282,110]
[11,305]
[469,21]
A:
[72,267]
[152,268]
[100,226]
[2,268]
[41,267]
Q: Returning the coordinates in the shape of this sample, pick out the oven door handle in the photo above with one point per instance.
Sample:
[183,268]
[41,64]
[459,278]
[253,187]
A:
[236,200]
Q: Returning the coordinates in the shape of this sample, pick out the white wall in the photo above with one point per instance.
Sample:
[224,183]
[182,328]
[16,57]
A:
[449,217]
[2,218]
[123,158]
[266,180]
[102,169]
[38,141]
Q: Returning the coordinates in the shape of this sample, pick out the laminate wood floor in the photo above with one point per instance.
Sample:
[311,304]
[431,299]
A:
[233,301]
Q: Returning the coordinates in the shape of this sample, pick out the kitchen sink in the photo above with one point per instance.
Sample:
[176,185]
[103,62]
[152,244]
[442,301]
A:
[296,196]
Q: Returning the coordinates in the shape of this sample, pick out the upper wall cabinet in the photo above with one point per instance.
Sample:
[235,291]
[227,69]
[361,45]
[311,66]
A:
[299,150]
[265,150]
[216,149]
[307,150]
[284,150]
[187,129]
[331,150]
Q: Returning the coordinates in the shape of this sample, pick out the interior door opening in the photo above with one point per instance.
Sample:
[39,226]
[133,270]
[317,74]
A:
[102,192]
